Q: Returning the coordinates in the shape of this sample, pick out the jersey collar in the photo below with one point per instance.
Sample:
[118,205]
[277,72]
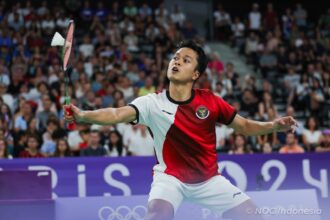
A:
[181,102]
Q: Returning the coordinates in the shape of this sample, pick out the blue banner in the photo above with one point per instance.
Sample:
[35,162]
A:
[81,177]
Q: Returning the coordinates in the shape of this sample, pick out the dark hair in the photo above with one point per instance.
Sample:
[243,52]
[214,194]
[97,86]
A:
[67,152]
[202,59]
[315,120]
[119,145]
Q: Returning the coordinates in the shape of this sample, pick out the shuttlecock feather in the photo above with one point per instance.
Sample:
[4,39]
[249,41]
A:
[57,40]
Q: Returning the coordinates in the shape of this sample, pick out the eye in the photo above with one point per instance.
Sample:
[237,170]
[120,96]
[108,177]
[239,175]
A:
[186,60]
[175,58]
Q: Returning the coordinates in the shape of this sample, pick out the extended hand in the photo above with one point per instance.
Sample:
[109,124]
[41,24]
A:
[285,124]
[72,113]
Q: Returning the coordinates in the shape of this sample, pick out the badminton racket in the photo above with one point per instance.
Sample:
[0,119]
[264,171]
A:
[66,44]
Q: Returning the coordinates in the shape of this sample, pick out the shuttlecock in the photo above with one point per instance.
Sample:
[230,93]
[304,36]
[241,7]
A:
[57,40]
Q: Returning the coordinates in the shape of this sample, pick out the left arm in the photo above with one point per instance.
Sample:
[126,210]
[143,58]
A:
[250,127]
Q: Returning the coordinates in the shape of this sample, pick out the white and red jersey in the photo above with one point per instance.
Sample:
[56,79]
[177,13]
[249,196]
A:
[184,132]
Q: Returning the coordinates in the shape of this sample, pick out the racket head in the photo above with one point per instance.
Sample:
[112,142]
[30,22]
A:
[68,43]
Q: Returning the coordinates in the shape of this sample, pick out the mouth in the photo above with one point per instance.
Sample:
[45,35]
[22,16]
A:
[175,69]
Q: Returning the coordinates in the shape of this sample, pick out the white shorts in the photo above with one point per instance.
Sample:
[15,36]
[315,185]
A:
[216,193]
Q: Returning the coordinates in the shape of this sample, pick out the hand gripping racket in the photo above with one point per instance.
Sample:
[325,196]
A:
[66,44]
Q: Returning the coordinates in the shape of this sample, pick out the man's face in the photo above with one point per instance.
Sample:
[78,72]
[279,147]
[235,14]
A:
[94,138]
[290,139]
[182,67]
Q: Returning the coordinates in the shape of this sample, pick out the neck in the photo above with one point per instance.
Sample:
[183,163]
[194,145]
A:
[180,92]
[32,151]
[94,146]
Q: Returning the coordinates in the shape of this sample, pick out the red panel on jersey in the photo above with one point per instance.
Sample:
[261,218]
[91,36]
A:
[189,148]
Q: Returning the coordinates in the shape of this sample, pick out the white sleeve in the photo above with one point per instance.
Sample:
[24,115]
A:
[142,107]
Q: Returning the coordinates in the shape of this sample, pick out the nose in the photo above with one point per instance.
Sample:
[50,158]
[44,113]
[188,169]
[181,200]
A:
[177,63]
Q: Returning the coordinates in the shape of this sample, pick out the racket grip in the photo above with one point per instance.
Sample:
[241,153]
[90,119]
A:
[71,125]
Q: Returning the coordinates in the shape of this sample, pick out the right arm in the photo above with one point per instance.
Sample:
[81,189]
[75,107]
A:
[103,116]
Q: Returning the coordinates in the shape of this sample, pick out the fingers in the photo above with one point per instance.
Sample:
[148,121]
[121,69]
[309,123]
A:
[292,123]
[69,113]
[287,124]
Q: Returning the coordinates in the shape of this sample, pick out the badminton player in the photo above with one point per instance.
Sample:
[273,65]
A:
[182,120]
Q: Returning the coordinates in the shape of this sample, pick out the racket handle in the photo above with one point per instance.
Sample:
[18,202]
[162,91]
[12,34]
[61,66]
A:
[71,125]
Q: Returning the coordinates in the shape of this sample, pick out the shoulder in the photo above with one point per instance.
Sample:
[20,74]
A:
[204,92]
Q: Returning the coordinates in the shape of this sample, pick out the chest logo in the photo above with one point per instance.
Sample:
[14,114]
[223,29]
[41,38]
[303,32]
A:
[202,112]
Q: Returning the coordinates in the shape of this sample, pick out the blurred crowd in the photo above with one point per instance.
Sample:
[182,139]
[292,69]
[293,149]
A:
[291,55]
[121,51]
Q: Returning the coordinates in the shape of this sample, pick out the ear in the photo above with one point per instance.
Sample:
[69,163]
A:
[196,75]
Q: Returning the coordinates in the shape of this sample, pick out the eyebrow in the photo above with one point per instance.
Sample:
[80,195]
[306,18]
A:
[185,55]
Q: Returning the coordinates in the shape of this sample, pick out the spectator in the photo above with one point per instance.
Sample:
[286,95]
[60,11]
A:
[268,138]
[324,23]
[131,40]
[220,90]
[85,136]
[130,9]
[46,113]
[268,64]
[75,138]
[16,21]
[145,11]
[33,128]
[161,10]
[62,21]
[115,145]
[240,146]
[49,138]
[94,148]
[86,48]
[7,98]
[311,135]
[86,13]
[255,18]
[6,115]
[265,105]
[138,141]
[300,15]
[4,150]
[177,16]
[43,9]
[216,64]
[238,30]
[270,17]
[251,48]
[101,11]
[222,23]
[126,25]
[316,97]
[147,88]
[249,104]
[62,148]
[299,96]
[291,81]
[21,122]
[48,25]
[291,145]
[324,145]
[287,23]
[188,30]
[232,75]
[115,12]
[32,148]
[266,148]
[223,134]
